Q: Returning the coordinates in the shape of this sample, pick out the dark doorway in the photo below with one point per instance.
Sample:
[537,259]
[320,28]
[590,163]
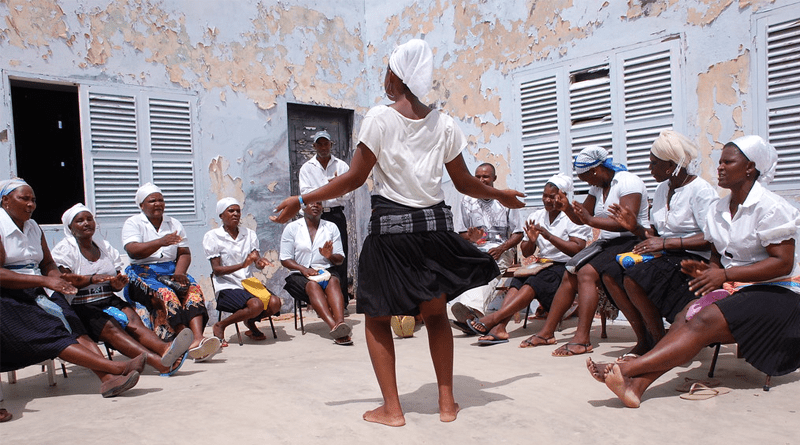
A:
[47,141]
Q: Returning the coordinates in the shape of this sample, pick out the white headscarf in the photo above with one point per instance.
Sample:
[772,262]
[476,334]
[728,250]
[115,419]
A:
[70,214]
[563,182]
[675,147]
[72,249]
[9,185]
[592,156]
[412,62]
[763,154]
[145,191]
[224,203]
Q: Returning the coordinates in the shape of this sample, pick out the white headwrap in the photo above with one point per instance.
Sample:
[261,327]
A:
[9,185]
[763,154]
[563,182]
[224,203]
[145,191]
[70,214]
[592,156]
[412,62]
[675,147]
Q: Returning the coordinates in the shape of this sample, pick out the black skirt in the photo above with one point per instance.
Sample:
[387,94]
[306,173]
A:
[28,334]
[664,283]
[605,262]
[544,284]
[765,321]
[296,284]
[93,316]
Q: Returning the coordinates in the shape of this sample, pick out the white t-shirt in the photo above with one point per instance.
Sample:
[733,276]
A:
[687,210]
[296,244]
[623,184]
[23,248]
[763,219]
[410,154]
[138,229]
[562,227]
[218,243]
[313,176]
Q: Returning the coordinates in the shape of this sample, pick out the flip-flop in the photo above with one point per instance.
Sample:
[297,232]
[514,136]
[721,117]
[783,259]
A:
[223,343]
[474,324]
[178,347]
[207,347]
[5,416]
[341,330]
[688,382]
[492,340]
[254,336]
[527,343]
[587,348]
[462,312]
[343,341]
[461,327]
[699,391]
[175,368]
[626,357]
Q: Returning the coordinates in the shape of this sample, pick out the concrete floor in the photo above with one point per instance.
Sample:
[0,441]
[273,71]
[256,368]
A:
[303,389]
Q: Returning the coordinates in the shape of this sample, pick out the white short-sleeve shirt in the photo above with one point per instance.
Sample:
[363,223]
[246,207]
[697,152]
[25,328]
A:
[296,244]
[313,176]
[687,210]
[23,247]
[410,154]
[623,184]
[218,243]
[562,227]
[763,219]
[138,229]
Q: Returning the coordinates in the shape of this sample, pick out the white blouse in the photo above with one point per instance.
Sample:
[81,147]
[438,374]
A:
[623,184]
[562,227]
[218,243]
[296,244]
[687,210]
[23,247]
[138,229]
[763,219]
[313,176]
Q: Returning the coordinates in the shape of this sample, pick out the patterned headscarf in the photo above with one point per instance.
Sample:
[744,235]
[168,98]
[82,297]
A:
[591,157]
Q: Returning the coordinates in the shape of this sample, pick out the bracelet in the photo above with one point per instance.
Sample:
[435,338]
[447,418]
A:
[664,244]
[91,279]
[681,243]
[300,198]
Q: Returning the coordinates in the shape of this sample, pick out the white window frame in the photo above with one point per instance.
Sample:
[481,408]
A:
[777,97]
[627,139]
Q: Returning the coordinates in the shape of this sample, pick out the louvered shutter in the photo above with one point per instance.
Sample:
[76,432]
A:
[590,115]
[170,126]
[114,164]
[782,53]
[540,154]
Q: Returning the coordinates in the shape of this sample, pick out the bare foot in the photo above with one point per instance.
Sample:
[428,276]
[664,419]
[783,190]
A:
[598,370]
[449,414]
[218,331]
[620,385]
[380,415]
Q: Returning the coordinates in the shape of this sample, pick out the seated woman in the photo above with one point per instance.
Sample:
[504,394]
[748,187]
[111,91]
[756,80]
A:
[610,184]
[233,251]
[657,288]
[33,326]
[754,234]
[558,238]
[310,246]
[156,244]
[93,266]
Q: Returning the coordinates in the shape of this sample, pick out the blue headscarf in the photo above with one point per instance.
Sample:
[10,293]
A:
[595,155]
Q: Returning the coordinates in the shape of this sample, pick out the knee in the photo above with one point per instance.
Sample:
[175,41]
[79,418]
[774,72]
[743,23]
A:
[255,305]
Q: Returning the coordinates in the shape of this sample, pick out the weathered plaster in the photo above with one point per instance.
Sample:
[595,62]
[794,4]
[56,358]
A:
[720,94]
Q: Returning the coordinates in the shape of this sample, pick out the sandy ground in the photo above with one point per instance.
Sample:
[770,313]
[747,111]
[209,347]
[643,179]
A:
[303,389]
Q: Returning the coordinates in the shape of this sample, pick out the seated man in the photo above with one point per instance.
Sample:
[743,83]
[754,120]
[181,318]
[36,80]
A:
[557,238]
[310,247]
[233,251]
[494,229]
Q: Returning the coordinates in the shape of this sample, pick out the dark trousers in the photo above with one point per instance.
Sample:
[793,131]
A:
[337,217]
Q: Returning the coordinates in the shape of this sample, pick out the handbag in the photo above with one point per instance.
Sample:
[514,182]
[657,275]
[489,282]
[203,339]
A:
[584,256]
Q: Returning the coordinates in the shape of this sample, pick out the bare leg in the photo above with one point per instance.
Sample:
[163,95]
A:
[319,302]
[380,345]
[631,313]
[651,317]
[196,325]
[333,294]
[143,335]
[252,309]
[515,301]
[91,358]
[114,335]
[440,341]
[562,301]
[588,279]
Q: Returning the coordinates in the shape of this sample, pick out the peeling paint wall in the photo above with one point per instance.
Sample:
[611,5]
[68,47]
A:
[246,63]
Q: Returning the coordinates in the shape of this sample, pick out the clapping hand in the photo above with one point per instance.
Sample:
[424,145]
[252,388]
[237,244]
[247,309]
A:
[171,239]
[327,249]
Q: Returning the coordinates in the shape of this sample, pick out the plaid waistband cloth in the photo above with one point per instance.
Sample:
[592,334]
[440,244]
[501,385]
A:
[389,218]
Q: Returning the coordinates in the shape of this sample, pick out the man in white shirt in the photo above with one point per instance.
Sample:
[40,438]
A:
[494,229]
[315,173]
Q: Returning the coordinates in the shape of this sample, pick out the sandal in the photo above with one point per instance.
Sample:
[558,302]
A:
[259,336]
[565,351]
[527,343]
[5,416]
[477,327]
[341,330]
[343,341]
[174,368]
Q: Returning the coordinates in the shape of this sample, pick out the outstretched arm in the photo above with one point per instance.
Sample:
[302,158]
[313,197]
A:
[360,167]
[470,185]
